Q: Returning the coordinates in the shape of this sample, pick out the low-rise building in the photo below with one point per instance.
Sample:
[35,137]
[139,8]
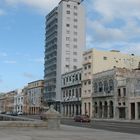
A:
[71,93]
[95,61]
[2,102]
[9,101]
[35,92]
[116,94]
[19,101]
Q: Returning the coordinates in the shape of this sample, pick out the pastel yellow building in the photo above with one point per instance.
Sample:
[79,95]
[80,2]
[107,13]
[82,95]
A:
[34,97]
[95,61]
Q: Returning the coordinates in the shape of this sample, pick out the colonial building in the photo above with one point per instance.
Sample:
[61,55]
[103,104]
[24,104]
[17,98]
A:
[116,94]
[2,102]
[35,92]
[9,101]
[19,101]
[71,93]
[95,61]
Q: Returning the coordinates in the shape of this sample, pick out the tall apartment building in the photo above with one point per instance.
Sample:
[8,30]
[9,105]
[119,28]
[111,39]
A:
[95,61]
[64,45]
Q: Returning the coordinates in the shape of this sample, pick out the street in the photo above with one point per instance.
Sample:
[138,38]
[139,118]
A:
[124,127]
[115,126]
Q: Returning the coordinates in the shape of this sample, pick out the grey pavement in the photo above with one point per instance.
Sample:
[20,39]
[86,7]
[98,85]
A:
[65,133]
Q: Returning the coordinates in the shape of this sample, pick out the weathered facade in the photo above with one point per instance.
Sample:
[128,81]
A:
[35,92]
[95,61]
[71,93]
[116,94]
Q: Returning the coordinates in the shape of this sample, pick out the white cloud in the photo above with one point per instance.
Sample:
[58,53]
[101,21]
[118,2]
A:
[111,9]
[104,32]
[29,75]
[3,54]
[41,5]
[37,60]
[2,12]
[10,62]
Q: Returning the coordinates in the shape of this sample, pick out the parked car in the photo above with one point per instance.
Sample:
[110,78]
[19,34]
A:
[20,113]
[82,118]
[8,113]
[3,112]
[14,114]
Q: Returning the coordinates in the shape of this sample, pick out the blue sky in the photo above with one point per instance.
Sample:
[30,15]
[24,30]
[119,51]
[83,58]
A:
[111,24]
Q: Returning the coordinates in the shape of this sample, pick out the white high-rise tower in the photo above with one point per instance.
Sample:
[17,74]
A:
[64,45]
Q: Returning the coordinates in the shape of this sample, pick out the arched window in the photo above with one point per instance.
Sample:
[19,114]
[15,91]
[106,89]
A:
[111,85]
[100,86]
[95,87]
[106,86]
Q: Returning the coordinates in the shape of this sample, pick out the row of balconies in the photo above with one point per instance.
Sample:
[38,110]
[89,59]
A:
[72,99]
[71,83]
[103,94]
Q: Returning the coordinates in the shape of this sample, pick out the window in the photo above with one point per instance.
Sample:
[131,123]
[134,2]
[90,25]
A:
[68,38]
[67,66]
[75,39]
[89,66]
[75,7]
[75,20]
[74,67]
[111,85]
[68,12]
[68,25]
[67,59]
[68,45]
[89,82]
[75,46]
[75,53]
[75,33]
[85,67]
[70,78]
[119,92]
[124,92]
[68,32]
[100,86]
[73,92]
[85,83]
[68,5]
[106,86]
[80,76]
[75,26]
[95,87]
[75,13]
[89,57]
[105,58]
[74,60]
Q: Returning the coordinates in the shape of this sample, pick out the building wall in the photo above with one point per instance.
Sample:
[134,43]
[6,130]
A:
[119,98]
[35,92]
[71,93]
[101,61]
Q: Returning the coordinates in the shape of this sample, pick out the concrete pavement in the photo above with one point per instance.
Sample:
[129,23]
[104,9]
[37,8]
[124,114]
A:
[65,133]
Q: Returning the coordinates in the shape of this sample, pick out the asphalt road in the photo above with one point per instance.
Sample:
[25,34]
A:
[124,127]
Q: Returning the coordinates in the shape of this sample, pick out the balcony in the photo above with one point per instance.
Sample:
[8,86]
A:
[88,77]
[85,62]
[103,94]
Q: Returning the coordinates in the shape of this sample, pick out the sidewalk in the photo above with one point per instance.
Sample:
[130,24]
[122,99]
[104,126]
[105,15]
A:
[65,133]
[113,120]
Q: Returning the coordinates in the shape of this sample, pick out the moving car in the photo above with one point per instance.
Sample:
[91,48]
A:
[82,118]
